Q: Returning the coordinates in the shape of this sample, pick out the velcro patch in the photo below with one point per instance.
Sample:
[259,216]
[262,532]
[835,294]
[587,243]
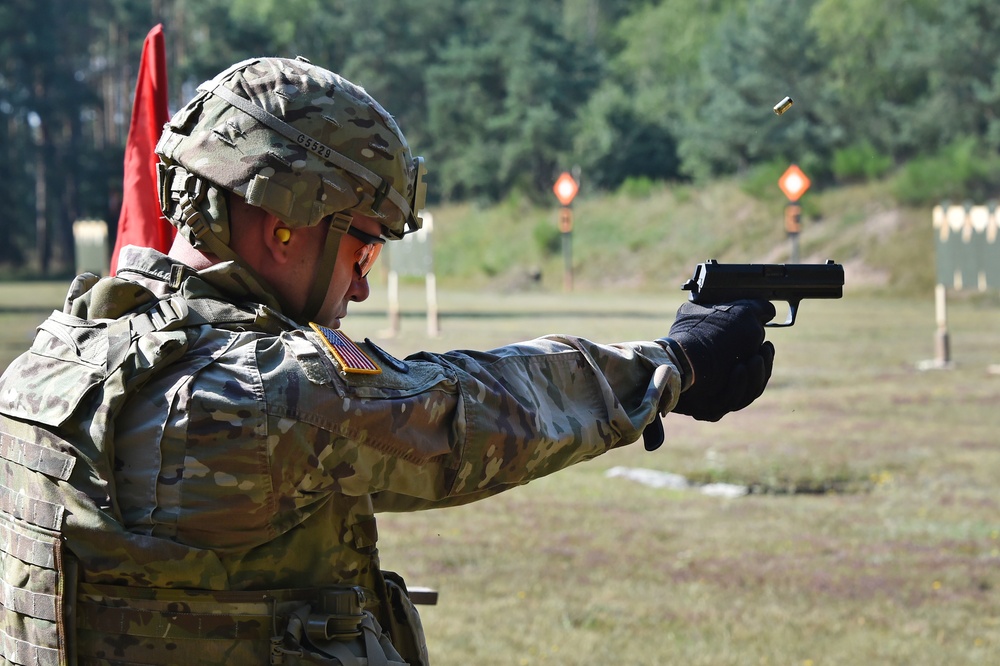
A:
[345,352]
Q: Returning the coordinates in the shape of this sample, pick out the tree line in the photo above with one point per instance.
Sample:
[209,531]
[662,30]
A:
[502,95]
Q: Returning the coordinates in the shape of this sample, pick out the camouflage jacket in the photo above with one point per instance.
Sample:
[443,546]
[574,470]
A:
[249,460]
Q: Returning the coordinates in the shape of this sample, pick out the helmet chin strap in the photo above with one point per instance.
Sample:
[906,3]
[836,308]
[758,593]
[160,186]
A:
[339,224]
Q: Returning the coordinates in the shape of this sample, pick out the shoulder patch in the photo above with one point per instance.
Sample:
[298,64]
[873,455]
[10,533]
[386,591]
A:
[345,352]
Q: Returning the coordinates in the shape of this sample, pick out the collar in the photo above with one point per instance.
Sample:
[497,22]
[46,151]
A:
[226,280]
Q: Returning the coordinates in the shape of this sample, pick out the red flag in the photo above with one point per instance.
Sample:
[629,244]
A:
[140,221]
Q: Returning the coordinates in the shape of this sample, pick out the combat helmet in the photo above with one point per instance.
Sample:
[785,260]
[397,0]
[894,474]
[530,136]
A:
[297,140]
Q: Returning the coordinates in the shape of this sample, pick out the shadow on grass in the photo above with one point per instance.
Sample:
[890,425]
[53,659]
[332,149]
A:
[777,485]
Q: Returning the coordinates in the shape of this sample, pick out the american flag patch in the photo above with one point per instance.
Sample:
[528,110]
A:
[347,354]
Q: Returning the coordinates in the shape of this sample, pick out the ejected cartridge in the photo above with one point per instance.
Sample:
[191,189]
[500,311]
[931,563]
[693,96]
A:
[783,105]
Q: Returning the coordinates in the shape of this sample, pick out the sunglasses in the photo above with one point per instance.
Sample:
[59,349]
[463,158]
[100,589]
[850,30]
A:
[366,255]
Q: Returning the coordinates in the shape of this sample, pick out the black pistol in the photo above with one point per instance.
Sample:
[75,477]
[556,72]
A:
[714,283]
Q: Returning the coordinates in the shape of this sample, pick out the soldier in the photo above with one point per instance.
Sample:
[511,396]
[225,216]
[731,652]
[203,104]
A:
[193,454]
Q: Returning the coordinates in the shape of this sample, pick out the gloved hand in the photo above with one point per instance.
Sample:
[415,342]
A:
[730,362]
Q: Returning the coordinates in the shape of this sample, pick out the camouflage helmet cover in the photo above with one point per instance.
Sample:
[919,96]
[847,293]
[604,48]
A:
[297,140]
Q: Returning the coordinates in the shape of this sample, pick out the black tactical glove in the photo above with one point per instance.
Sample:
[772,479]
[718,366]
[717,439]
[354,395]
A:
[730,363]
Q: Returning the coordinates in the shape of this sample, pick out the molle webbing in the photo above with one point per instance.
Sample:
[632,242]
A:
[32,621]
[178,614]
[125,625]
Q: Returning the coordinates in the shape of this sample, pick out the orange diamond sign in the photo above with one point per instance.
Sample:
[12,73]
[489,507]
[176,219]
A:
[565,188]
[794,183]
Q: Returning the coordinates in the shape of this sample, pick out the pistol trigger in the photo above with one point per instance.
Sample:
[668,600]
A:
[793,309]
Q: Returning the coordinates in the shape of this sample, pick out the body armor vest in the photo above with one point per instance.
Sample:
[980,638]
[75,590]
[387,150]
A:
[58,404]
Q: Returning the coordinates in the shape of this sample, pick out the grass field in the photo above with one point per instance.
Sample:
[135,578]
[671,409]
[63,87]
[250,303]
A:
[872,537]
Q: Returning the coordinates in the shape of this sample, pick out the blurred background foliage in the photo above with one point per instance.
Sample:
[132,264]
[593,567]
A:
[502,95]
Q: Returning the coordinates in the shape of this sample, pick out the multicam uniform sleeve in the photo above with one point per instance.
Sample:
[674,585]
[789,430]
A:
[445,429]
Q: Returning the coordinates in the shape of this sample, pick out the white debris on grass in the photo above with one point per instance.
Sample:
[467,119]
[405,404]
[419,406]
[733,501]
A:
[657,479]
[649,477]
[729,490]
